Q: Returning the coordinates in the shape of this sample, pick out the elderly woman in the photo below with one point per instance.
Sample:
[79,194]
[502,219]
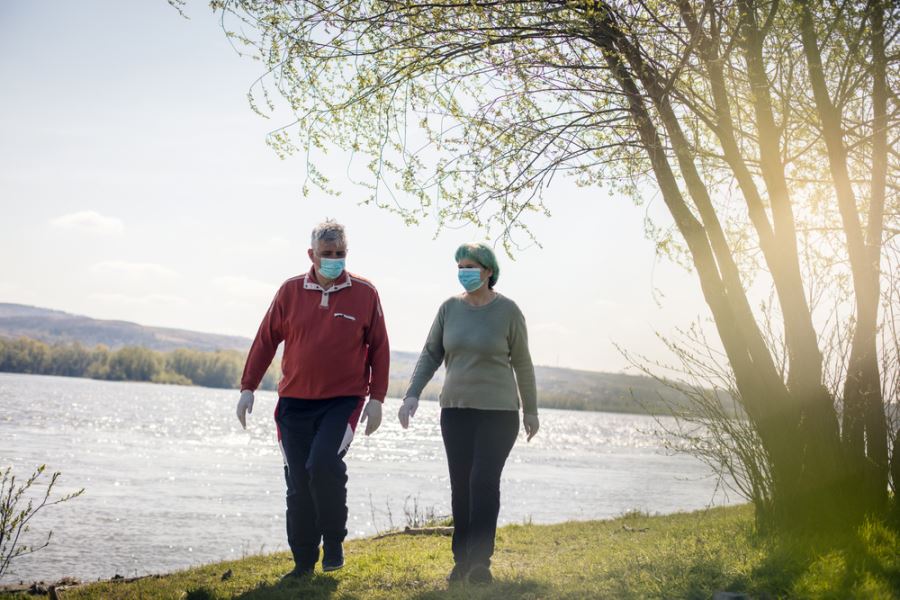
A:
[480,336]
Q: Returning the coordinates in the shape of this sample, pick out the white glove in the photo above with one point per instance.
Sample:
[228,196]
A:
[532,424]
[408,410]
[245,405]
[371,416]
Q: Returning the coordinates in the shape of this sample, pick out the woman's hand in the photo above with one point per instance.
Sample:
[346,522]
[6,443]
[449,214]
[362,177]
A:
[408,410]
[532,424]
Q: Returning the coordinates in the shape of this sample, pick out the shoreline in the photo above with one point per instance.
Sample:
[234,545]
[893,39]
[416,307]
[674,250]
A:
[695,554]
[613,410]
[630,522]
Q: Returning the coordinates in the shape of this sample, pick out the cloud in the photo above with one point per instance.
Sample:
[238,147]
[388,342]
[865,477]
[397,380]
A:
[88,221]
[132,269]
[140,301]
[245,288]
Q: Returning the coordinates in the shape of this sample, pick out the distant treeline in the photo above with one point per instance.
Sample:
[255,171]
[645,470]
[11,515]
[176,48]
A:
[615,393]
[220,369]
[557,388]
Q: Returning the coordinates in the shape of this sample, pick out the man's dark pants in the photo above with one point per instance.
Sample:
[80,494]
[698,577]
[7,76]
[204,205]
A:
[311,434]
[477,444]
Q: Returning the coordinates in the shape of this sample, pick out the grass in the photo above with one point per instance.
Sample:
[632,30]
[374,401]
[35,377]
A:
[690,555]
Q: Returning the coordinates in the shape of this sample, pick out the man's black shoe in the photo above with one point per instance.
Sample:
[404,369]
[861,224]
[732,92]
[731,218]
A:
[480,574]
[333,556]
[458,573]
[299,573]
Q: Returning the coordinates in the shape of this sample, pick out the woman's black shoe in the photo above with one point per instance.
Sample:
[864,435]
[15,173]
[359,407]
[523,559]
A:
[299,573]
[332,556]
[480,574]
[457,574]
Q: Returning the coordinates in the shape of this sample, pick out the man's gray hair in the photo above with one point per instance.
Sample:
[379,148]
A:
[328,231]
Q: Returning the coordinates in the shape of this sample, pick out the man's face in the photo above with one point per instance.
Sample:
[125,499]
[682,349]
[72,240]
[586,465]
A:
[323,249]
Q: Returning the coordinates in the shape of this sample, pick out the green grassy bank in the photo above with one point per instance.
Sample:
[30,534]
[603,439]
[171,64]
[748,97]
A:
[676,556]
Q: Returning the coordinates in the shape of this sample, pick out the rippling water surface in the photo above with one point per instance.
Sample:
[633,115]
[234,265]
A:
[171,480]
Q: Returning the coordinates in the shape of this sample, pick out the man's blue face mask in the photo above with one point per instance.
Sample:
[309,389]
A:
[470,278]
[330,268]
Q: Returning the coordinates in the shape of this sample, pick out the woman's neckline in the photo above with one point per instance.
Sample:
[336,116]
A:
[468,304]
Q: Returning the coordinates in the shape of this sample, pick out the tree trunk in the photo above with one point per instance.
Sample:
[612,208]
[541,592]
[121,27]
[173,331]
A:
[765,398]
[864,421]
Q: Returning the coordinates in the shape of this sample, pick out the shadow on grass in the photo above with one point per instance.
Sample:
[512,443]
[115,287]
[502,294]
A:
[855,563]
[323,587]
[508,590]
[862,563]
[702,579]
[694,580]
[317,587]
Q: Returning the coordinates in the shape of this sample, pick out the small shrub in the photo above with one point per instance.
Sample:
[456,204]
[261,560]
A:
[17,509]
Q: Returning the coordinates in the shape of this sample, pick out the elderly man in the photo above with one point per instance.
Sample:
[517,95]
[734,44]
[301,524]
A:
[335,353]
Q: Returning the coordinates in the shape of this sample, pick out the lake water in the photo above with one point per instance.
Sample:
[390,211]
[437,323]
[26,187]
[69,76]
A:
[172,481]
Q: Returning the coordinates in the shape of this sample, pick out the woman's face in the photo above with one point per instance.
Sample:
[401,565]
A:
[468,263]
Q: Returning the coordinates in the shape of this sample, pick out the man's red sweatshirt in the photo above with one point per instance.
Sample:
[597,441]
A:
[335,340]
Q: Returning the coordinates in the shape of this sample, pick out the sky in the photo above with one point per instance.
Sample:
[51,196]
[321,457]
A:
[136,184]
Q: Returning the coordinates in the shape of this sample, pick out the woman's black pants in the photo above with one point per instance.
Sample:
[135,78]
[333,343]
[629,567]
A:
[477,444]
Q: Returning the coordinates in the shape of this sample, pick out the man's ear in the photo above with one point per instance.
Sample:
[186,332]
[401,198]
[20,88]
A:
[309,253]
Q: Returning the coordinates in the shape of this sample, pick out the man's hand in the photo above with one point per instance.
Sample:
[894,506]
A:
[408,410]
[532,424]
[245,405]
[371,416]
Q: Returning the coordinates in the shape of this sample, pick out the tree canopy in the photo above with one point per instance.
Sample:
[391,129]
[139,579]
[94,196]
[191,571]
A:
[767,128]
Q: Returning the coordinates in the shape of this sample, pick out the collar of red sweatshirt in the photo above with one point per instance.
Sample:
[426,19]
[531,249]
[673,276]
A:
[311,283]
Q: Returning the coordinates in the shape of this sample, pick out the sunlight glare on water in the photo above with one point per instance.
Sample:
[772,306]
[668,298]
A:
[171,480]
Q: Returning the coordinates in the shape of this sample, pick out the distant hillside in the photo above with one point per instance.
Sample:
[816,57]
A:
[54,326]
[557,387]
